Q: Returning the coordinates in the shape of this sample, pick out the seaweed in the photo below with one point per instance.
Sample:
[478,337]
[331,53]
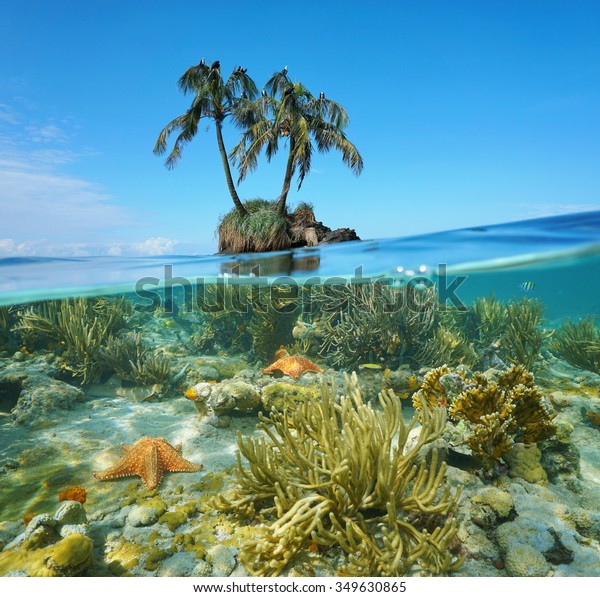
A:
[523,337]
[377,324]
[133,361]
[334,471]
[510,332]
[448,345]
[246,319]
[578,343]
[78,327]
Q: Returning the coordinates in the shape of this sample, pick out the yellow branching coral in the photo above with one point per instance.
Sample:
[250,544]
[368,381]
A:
[432,392]
[333,471]
[502,412]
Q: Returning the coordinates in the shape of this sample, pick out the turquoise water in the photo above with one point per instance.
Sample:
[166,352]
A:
[100,352]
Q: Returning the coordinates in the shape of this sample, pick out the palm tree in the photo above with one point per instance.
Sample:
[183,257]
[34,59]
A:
[214,98]
[288,110]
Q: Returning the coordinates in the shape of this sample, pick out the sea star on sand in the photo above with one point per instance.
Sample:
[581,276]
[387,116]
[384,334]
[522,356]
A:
[293,366]
[150,458]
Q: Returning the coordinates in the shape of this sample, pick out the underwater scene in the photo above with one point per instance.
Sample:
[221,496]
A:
[421,406]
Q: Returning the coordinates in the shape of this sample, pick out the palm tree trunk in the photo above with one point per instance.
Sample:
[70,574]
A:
[236,200]
[287,180]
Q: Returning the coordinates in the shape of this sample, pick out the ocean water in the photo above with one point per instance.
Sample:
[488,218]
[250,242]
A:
[243,366]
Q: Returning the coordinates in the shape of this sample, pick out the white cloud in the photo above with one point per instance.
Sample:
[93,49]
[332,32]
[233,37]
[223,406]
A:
[154,246]
[41,201]
[9,247]
[7,114]
[46,211]
[48,133]
[54,205]
[542,210]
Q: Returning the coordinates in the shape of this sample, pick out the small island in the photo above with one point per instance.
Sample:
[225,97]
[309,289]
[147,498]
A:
[284,113]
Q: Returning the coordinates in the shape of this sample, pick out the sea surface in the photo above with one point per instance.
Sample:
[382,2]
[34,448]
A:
[207,352]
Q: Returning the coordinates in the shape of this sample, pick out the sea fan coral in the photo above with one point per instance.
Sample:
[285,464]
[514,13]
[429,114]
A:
[80,325]
[375,323]
[579,344]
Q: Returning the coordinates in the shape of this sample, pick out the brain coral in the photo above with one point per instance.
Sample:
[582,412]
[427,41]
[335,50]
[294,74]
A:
[525,560]
[499,501]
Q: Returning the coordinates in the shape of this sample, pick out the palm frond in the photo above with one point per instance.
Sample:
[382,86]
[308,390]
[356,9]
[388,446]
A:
[161,143]
[277,83]
[245,155]
[193,78]
[239,82]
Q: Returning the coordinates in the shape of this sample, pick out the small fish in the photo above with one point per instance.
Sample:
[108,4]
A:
[527,286]
[370,366]
[180,375]
[310,326]
[465,462]
[413,383]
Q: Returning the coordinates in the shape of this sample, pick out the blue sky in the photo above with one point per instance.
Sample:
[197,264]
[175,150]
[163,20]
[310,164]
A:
[466,113]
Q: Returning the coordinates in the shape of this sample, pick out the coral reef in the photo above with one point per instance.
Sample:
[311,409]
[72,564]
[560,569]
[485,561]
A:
[448,345]
[80,326]
[499,501]
[4,320]
[578,343]
[374,323]
[487,320]
[55,545]
[391,326]
[131,360]
[510,333]
[68,557]
[500,413]
[277,395]
[217,400]
[522,340]
[245,318]
[7,315]
[432,392]
[524,461]
[334,471]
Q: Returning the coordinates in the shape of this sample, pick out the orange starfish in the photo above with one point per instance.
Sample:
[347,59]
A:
[293,366]
[150,458]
